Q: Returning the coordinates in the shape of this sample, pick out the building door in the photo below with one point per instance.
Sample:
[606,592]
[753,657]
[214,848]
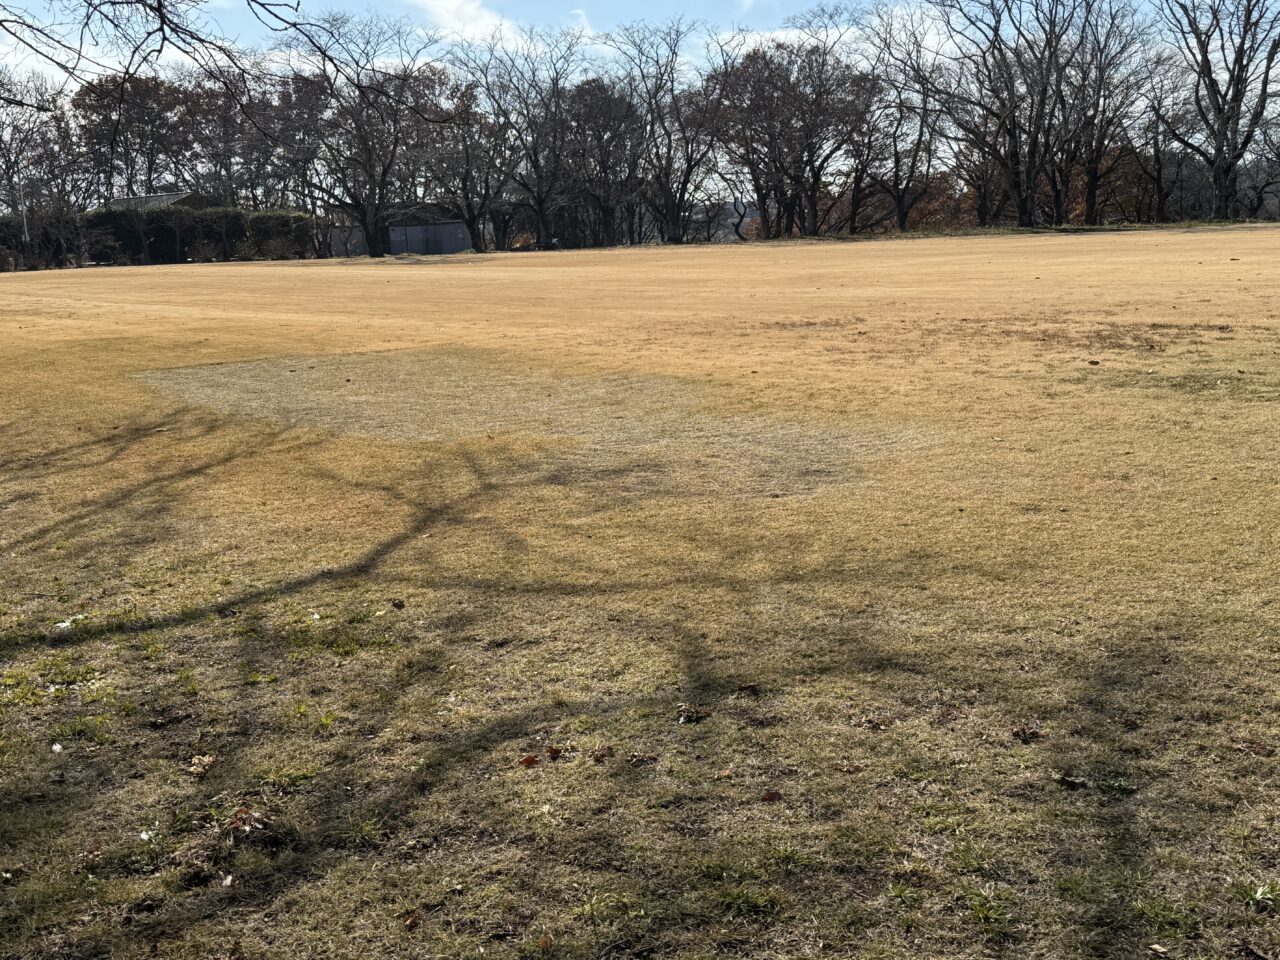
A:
[399,240]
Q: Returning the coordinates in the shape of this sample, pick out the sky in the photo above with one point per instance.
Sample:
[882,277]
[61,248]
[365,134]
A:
[479,17]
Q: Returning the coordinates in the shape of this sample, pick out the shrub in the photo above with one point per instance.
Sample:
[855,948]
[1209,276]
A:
[203,251]
[223,226]
[279,248]
[126,227]
[280,234]
[169,235]
[245,250]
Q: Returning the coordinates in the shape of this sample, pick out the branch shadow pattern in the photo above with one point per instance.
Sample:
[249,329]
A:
[388,767]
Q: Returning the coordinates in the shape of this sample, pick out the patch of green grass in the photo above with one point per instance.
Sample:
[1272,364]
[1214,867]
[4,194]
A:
[1166,916]
[785,859]
[285,779]
[1076,886]
[363,833]
[22,687]
[339,639]
[608,907]
[748,901]
[970,857]
[905,894]
[96,728]
[187,683]
[1262,897]
[729,867]
[62,671]
[989,909]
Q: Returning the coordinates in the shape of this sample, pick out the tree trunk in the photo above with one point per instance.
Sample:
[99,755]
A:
[542,225]
[982,207]
[475,227]
[1026,210]
[500,221]
[373,244]
[809,225]
[672,228]
[1059,203]
[608,225]
[1091,194]
[1224,188]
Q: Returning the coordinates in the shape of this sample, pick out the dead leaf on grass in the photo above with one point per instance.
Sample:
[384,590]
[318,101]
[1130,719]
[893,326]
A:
[1255,747]
[601,754]
[1070,782]
[244,822]
[687,713]
[200,765]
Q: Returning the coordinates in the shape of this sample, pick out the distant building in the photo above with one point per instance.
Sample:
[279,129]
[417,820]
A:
[160,201]
[408,228]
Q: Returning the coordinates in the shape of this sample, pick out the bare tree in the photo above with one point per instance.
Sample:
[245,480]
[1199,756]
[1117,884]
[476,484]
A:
[605,151]
[1046,110]
[750,128]
[1229,50]
[1112,78]
[997,68]
[680,110]
[906,114]
[471,158]
[377,84]
[526,81]
[1153,146]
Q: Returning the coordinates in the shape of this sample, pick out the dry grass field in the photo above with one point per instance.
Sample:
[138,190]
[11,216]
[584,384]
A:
[903,599]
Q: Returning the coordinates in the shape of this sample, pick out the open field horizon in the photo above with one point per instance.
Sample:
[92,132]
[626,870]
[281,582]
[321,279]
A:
[893,599]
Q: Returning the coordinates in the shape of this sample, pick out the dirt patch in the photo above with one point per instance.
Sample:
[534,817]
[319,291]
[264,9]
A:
[1237,385]
[662,433]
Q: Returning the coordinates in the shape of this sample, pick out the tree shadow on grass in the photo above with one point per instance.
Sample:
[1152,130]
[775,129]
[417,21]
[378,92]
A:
[395,785]
[1120,795]
[323,823]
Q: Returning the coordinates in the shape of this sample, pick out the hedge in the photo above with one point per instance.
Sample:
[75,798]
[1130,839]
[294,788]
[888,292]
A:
[170,235]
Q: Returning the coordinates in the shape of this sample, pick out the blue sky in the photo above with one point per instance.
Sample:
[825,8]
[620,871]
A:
[478,16]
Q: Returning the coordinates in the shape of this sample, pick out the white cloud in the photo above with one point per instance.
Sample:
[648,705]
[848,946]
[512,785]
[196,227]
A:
[463,18]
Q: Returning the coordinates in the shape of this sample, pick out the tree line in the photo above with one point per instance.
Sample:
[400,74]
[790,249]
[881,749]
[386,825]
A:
[930,115]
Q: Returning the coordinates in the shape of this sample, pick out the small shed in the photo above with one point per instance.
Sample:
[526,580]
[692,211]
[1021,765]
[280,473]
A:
[418,228]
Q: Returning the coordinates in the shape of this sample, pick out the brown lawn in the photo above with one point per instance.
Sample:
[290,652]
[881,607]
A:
[902,599]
